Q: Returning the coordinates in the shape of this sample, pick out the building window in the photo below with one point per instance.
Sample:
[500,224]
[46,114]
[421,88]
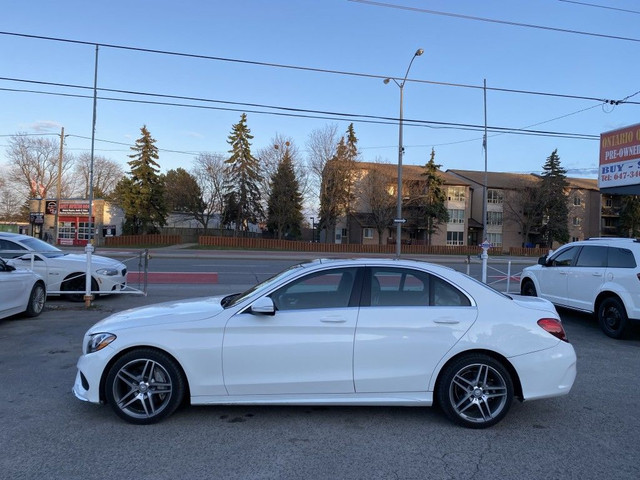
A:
[494,218]
[608,202]
[85,230]
[455,238]
[575,239]
[577,201]
[577,221]
[456,194]
[367,233]
[494,196]
[495,239]
[456,215]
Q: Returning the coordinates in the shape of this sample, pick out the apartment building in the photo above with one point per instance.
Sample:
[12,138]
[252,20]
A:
[590,214]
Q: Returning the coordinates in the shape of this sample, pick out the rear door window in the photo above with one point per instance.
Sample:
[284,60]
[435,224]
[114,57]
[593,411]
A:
[592,256]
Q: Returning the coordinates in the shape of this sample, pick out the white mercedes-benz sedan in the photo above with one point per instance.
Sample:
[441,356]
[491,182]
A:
[333,332]
[21,291]
[62,271]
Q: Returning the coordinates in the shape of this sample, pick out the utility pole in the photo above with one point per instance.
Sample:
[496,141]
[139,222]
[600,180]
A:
[58,188]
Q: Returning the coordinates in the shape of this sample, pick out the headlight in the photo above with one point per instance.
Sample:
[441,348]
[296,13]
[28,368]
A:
[109,272]
[98,341]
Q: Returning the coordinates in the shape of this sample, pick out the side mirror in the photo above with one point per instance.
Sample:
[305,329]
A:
[542,260]
[264,306]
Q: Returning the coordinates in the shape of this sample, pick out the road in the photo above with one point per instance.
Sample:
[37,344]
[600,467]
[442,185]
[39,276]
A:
[592,433]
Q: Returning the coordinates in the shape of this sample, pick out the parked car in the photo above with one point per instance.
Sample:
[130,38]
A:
[62,271]
[333,332]
[599,276]
[21,291]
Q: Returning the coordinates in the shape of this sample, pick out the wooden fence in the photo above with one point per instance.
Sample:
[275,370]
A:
[142,240]
[300,246]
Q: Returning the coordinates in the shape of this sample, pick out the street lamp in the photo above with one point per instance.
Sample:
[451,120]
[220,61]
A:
[399,220]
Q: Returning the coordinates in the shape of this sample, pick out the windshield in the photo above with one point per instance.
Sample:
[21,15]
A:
[260,287]
[41,247]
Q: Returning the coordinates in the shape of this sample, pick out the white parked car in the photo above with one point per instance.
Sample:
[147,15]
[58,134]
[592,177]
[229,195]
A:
[599,276]
[62,271]
[21,291]
[333,332]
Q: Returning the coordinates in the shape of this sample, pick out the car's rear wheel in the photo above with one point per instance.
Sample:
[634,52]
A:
[77,283]
[475,391]
[612,318]
[36,300]
[527,288]
[144,386]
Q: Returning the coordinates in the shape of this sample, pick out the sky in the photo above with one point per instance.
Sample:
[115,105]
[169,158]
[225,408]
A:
[298,66]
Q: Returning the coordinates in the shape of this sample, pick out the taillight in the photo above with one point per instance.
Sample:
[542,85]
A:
[554,327]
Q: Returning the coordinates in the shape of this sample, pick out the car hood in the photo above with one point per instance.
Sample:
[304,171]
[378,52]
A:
[96,260]
[161,313]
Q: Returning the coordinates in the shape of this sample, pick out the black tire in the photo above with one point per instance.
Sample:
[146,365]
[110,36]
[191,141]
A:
[36,300]
[528,289]
[76,282]
[613,319]
[144,386]
[475,391]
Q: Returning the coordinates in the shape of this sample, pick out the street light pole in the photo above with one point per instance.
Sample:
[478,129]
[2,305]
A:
[399,220]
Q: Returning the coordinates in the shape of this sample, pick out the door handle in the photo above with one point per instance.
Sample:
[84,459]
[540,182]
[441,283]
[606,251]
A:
[597,274]
[333,319]
[446,320]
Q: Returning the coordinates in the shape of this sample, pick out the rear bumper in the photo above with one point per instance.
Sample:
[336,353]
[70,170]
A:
[547,373]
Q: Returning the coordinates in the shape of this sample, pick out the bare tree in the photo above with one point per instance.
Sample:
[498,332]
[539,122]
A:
[33,164]
[10,202]
[106,175]
[322,145]
[523,206]
[209,171]
[373,190]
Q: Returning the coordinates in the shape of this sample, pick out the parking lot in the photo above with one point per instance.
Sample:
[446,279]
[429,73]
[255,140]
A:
[47,433]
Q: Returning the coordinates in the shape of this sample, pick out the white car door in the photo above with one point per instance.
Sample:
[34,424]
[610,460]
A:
[585,278]
[411,321]
[552,277]
[12,290]
[306,347]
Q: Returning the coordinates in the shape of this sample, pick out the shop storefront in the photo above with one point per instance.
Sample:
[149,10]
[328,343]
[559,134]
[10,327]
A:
[75,228]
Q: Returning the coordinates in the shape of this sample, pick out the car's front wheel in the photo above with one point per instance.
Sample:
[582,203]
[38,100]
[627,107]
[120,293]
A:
[475,391]
[612,318]
[36,300]
[77,283]
[144,386]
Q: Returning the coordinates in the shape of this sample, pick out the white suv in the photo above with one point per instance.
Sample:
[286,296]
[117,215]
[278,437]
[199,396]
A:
[599,275]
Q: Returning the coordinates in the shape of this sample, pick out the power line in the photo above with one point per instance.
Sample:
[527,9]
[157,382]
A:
[600,6]
[295,67]
[323,115]
[492,20]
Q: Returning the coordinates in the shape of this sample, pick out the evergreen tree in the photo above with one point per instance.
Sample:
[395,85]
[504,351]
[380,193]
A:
[183,194]
[553,187]
[350,159]
[242,190]
[432,206]
[142,195]
[284,208]
[630,216]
